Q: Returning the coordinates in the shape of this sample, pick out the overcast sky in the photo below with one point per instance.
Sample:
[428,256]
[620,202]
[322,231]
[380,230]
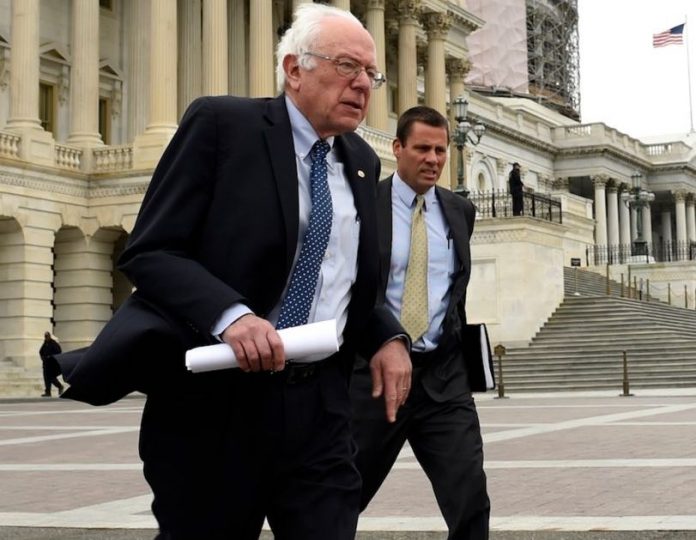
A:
[624,81]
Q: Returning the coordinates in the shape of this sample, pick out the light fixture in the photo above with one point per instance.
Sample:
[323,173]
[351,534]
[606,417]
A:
[463,133]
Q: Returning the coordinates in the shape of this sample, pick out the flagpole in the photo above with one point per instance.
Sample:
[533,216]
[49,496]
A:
[688,74]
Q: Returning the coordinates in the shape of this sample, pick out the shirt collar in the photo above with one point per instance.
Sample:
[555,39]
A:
[303,134]
[407,195]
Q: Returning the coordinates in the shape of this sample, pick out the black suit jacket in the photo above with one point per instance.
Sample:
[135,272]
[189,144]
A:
[445,377]
[219,225]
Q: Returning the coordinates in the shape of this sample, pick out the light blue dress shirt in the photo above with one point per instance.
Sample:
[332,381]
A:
[339,267]
[441,259]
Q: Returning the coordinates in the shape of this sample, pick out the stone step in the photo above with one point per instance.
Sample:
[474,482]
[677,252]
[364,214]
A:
[582,343]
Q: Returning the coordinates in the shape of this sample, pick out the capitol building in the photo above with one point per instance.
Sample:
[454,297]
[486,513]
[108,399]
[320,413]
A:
[91,92]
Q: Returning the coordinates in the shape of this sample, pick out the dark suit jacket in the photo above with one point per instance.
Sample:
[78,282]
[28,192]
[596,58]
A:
[446,376]
[219,225]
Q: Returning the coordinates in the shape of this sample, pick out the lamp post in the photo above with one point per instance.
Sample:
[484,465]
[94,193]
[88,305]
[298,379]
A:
[464,132]
[638,198]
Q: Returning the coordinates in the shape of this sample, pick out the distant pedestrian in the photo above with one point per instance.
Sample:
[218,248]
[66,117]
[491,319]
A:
[48,350]
[516,190]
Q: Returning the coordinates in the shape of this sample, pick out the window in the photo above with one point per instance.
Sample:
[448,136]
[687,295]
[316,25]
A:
[47,107]
[105,120]
[106,4]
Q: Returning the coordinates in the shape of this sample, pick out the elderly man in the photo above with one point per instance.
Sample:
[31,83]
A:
[261,215]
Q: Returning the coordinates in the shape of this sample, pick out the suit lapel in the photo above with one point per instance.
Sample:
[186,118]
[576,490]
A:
[359,174]
[456,219]
[384,229]
[281,153]
[455,214]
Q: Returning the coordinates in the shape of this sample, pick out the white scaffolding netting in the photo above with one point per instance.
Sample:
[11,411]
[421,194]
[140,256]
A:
[498,50]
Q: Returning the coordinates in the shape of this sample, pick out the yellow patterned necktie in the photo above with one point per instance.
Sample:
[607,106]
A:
[414,304]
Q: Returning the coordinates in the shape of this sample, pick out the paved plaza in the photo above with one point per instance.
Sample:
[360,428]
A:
[560,466]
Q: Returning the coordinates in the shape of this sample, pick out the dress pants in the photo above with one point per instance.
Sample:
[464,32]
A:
[233,448]
[446,440]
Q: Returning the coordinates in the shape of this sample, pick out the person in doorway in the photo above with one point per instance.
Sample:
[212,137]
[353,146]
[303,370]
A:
[425,260]
[49,349]
[516,190]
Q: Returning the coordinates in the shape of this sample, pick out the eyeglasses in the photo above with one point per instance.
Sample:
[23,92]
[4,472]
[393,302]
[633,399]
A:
[346,67]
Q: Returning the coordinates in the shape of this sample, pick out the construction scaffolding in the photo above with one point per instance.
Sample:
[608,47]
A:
[552,54]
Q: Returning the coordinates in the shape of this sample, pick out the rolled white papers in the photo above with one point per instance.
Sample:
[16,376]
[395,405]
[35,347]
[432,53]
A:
[299,341]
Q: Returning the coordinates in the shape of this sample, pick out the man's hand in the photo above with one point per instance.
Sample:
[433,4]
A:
[255,343]
[391,375]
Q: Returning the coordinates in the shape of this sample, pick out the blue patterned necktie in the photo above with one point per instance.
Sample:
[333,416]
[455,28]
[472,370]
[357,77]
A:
[298,300]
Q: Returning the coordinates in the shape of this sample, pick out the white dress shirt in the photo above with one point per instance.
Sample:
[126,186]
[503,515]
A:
[441,258]
[339,267]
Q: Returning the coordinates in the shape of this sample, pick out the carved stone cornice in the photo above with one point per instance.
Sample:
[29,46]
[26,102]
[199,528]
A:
[78,188]
[436,25]
[72,188]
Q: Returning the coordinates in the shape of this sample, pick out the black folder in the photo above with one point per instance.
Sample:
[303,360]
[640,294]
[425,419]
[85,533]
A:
[478,357]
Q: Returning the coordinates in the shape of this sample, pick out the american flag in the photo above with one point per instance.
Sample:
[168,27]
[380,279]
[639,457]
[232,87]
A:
[674,35]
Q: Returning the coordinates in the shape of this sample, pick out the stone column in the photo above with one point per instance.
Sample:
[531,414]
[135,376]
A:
[261,66]
[600,182]
[437,26]
[24,74]
[190,53]
[238,57]
[624,224]
[634,224]
[36,145]
[162,122]
[666,229]
[457,69]
[84,76]
[25,287]
[408,58]
[377,113]
[83,285]
[647,226]
[215,47]
[137,17]
[680,216]
[341,4]
[613,222]
[691,217]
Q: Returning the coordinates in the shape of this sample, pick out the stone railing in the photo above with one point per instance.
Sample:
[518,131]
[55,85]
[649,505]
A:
[381,142]
[68,157]
[598,134]
[9,145]
[667,150]
[113,158]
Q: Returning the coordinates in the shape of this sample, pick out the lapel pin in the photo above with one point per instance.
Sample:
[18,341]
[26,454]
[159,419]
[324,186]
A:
[361,174]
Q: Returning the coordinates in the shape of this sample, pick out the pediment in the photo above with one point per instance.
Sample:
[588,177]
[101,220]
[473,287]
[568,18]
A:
[108,67]
[55,51]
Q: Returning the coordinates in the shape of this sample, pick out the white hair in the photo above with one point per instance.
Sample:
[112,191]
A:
[302,36]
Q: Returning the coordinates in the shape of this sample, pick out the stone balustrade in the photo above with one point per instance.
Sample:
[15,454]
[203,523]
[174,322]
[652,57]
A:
[68,157]
[9,145]
[113,158]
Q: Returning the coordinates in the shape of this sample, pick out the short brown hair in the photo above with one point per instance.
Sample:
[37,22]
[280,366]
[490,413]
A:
[421,113]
